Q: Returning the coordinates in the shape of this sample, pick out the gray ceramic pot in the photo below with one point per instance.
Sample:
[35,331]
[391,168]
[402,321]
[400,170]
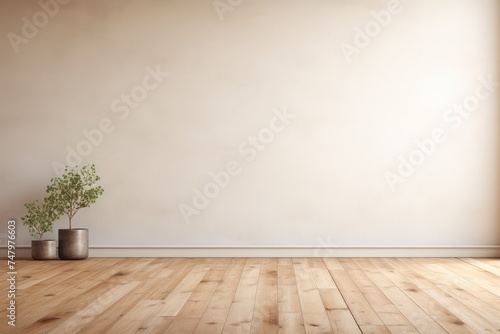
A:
[73,244]
[43,249]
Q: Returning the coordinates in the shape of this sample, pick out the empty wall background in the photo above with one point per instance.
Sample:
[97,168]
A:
[320,181]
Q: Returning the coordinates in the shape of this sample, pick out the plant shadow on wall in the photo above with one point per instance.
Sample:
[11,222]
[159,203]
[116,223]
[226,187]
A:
[75,189]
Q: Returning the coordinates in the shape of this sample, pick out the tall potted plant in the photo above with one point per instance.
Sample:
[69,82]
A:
[74,190]
[40,220]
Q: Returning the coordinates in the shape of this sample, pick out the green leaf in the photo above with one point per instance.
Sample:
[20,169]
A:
[75,189]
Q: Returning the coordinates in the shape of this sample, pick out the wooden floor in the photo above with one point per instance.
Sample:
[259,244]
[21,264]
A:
[257,295]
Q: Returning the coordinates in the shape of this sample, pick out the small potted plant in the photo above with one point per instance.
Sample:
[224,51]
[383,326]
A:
[40,220]
[72,191]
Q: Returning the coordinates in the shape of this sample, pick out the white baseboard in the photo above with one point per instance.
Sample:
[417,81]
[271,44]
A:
[348,251]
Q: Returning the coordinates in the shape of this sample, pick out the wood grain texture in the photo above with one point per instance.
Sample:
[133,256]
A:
[257,295]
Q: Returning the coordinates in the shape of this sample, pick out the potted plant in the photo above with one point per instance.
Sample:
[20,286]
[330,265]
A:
[70,192]
[40,219]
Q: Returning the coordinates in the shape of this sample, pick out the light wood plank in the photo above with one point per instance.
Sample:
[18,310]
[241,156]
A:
[484,265]
[321,274]
[265,313]
[314,313]
[176,300]
[215,315]
[240,315]
[385,309]
[452,285]
[420,309]
[361,309]
[442,319]
[155,325]
[133,319]
[189,317]
[340,316]
[99,305]
[182,326]
[267,295]
[166,286]
[291,323]
[290,319]
[104,321]
[467,316]
[481,278]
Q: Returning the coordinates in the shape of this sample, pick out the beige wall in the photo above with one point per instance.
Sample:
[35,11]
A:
[320,176]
